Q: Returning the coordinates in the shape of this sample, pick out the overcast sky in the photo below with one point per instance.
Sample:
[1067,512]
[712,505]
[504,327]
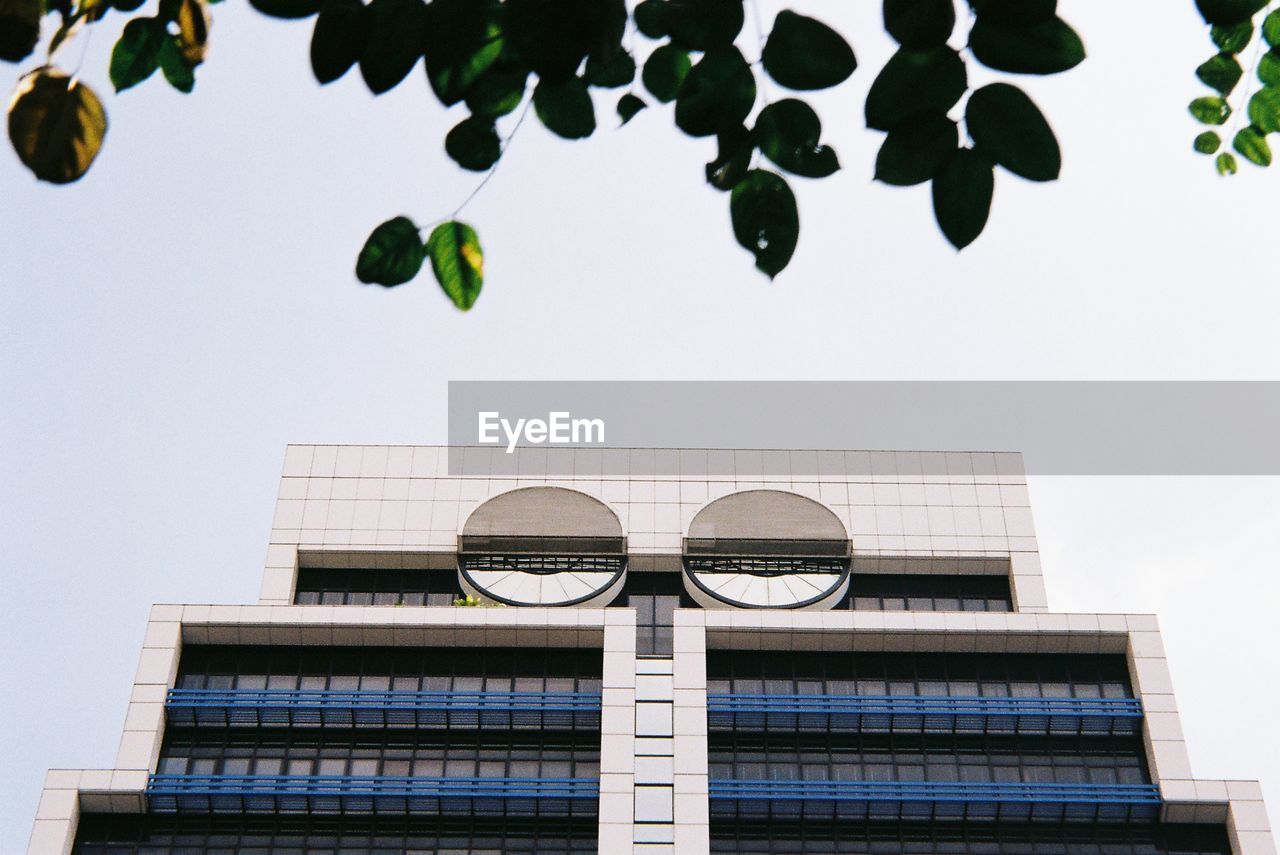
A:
[168,324]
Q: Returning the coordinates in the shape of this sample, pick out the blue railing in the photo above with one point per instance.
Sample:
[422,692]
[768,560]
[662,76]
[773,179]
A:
[929,714]
[377,709]
[344,794]
[907,800]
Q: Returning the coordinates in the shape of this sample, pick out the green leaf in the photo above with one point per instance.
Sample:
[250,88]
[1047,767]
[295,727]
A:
[920,23]
[1008,128]
[734,148]
[618,70]
[765,220]
[803,53]
[458,262]
[703,24]
[340,36]
[463,42]
[56,125]
[1210,110]
[1251,143]
[1018,13]
[788,133]
[664,71]
[553,37]
[651,18]
[1264,110]
[565,108]
[1225,163]
[1224,13]
[473,144]
[1045,48]
[1271,29]
[287,8]
[628,106]
[1207,142]
[498,91]
[717,93]
[177,71]
[392,255]
[1232,39]
[914,151]
[915,81]
[395,42]
[962,196]
[19,28]
[136,55]
[1269,68]
[1220,73]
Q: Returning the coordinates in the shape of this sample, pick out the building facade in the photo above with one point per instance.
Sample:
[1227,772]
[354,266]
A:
[684,651]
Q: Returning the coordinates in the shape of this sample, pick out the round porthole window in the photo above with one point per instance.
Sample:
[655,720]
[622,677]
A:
[543,546]
[766,549]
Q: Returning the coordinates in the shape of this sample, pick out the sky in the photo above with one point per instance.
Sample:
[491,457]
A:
[168,324]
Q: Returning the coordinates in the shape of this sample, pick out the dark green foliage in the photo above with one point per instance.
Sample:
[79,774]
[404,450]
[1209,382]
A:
[340,36]
[137,54]
[734,148]
[1251,143]
[176,70]
[628,106]
[497,91]
[286,8]
[1232,39]
[392,255]
[1018,13]
[1271,29]
[788,132]
[765,220]
[554,37]
[1225,13]
[1208,142]
[457,261]
[703,24]
[1269,68]
[803,53]
[19,28]
[1210,110]
[565,108]
[395,42]
[651,18]
[717,93]
[920,23]
[962,192]
[473,144]
[1264,110]
[1007,128]
[462,42]
[914,82]
[1044,48]
[1225,163]
[665,70]
[619,69]
[914,151]
[1220,73]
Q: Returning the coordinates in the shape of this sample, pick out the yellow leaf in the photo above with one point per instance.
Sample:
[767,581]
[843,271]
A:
[56,125]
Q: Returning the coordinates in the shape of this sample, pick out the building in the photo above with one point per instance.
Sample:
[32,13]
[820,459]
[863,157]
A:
[851,653]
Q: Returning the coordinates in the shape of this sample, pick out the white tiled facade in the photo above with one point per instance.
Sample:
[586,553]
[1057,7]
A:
[399,506]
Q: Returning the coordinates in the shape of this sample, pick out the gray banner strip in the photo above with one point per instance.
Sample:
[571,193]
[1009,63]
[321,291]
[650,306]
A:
[1061,427]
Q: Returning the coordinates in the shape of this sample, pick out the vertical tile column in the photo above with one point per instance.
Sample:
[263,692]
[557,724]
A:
[655,756]
[692,811]
[618,732]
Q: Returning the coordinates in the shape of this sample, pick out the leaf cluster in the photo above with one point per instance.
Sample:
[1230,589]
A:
[1232,29]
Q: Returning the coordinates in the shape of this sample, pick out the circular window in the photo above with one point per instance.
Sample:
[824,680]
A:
[766,549]
[543,546]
